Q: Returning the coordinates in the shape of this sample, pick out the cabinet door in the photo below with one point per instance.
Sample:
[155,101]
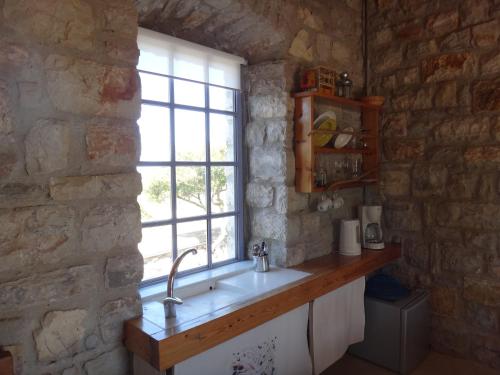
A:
[278,347]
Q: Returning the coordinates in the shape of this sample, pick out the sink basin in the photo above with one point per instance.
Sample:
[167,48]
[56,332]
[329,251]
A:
[211,295]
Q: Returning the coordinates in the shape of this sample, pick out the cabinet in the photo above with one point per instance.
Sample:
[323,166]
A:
[306,153]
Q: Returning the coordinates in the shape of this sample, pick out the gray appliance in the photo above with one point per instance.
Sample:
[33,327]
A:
[396,333]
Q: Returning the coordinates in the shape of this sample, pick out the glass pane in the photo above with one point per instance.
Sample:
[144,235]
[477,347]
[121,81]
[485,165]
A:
[156,248]
[221,99]
[155,199]
[223,239]
[222,186]
[189,93]
[153,60]
[191,191]
[190,135]
[192,235]
[154,126]
[154,87]
[221,137]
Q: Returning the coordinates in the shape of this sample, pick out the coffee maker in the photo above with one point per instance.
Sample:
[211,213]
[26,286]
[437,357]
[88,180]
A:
[371,227]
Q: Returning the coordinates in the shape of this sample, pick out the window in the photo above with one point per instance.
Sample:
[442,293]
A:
[191,164]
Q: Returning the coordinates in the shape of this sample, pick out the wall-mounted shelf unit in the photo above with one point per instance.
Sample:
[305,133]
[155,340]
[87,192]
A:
[305,152]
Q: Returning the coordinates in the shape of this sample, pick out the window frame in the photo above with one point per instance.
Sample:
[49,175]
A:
[238,165]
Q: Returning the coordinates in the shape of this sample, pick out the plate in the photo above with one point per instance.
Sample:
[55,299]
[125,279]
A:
[325,121]
[343,139]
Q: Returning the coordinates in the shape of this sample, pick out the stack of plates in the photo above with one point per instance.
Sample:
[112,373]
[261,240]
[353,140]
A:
[326,121]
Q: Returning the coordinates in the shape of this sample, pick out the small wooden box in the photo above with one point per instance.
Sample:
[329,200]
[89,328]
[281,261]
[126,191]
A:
[320,79]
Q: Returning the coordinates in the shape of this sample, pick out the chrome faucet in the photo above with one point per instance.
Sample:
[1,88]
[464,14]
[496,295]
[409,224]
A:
[170,302]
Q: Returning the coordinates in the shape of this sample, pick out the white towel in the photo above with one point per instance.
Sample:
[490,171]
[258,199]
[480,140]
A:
[276,347]
[338,320]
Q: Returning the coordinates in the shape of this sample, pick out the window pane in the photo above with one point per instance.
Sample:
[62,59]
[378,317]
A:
[154,126]
[223,239]
[191,191]
[155,199]
[153,60]
[190,135]
[221,99]
[192,235]
[222,186]
[156,248]
[154,87]
[221,137]
[189,93]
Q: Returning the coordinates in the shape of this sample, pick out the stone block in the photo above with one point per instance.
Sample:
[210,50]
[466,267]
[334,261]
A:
[382,37]
[402,101]
[462,185]
[486,95]
[287,200]
[447,66]
[395,183]
[301,46]
[462,129]
[474,11]
[267,163]
[268,224]
[403,216]
[114,362]
[119,17]
[486,34]
[490,64]
[9,159]
[387,60]
[482,317]
[446,95]
[61,334]
[22,195]
[89,88]
[112,145]
[44,288]
[35,236]
[417,50]
[408,76]
[429,180]
[276,132]
[442,23]
[268,106]
[398,150]
[456,42]
[124,270]
[310,225]
[480,216]
[92,187]
[478,154]
[482,291]
[444,301]
[416,253]
[113,314]
[68,23]
[324,46]
[410,30]
[259,195]
[47,135]
[255,133]
[423,99]
[5,111]
[111,225]
[395,124]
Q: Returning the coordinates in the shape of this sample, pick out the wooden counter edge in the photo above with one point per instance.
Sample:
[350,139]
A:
[6,363]
[163,353]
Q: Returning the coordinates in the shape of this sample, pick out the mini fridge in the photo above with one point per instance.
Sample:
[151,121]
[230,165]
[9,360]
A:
[396,333]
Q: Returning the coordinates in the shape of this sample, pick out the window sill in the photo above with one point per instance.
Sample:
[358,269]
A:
[155,291]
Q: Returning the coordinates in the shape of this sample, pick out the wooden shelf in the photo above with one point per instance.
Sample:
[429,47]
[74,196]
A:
[337,99]
[306,153]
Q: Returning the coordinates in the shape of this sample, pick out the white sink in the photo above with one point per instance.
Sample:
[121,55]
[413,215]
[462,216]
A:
[211,295]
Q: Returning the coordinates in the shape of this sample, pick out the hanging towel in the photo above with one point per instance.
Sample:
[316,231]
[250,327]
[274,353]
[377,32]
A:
[337,320]
[277,347]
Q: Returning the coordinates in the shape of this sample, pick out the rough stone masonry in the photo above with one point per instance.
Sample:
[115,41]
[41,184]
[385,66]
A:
[438,65]
[70,224]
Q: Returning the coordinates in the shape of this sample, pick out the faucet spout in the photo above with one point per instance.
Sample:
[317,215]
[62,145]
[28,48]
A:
[170,302]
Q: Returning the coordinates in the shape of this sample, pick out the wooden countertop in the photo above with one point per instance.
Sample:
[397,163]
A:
[163,348]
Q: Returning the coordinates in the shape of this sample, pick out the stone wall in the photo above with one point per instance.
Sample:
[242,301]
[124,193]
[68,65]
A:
[69,265]
[438,64]
[279,38]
